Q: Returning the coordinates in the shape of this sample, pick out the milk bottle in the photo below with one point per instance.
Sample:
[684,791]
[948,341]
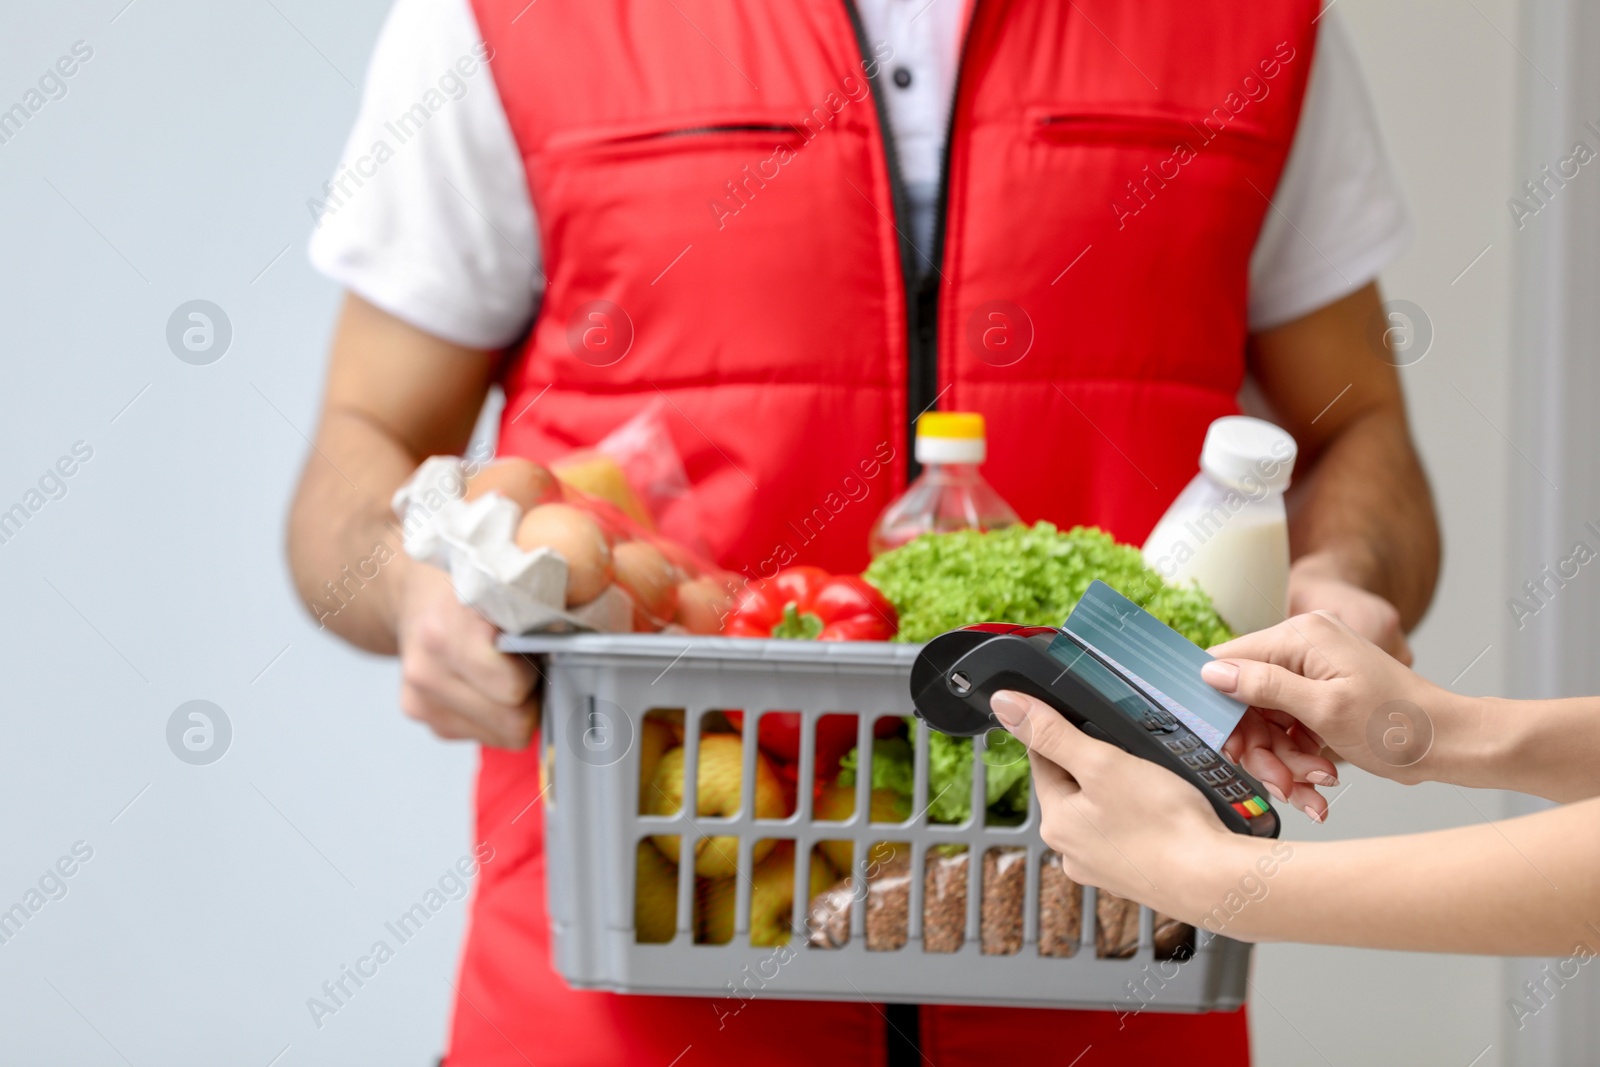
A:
[1228,530]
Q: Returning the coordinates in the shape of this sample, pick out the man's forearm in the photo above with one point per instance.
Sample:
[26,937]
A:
[344,542]
[395,395]
[1364,514]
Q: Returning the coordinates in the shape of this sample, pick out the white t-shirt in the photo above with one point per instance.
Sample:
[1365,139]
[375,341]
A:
[429,218]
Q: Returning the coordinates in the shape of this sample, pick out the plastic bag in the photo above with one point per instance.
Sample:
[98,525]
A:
[1060,909]
[889,903]
[637,467]
[888,899]
[532,553]
[1005,875]
[944,899]
[1116,927]
[1174,939]
[829,920]
[1116,931]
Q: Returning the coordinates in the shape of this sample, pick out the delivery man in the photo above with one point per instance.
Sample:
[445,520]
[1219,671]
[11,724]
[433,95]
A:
[803,223]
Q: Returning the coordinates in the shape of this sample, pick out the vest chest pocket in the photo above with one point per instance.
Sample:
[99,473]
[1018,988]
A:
[1182,133]
[1203,177]
[689,176]
[657,138]
[704,229]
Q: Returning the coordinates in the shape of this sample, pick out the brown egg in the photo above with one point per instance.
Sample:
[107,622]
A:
[576,538]
[651,579]
[703,604]
[521,481]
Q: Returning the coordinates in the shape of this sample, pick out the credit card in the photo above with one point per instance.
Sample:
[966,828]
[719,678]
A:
[1157,658]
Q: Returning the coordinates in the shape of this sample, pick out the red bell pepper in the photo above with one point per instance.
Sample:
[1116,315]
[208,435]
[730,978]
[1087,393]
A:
[778,734]
[808,602]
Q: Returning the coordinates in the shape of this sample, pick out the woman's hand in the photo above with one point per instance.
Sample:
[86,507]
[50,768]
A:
[1121,823]
[1312,681]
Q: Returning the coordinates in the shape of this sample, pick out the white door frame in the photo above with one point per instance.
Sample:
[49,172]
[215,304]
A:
[1555,377]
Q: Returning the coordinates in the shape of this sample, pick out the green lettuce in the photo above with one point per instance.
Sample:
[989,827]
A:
[949,774]
[1029,575]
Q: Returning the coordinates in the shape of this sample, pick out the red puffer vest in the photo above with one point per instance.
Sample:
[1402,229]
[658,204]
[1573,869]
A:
[723,226]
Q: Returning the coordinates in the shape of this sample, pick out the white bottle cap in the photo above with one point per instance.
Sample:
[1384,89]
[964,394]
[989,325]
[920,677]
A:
[1248,454]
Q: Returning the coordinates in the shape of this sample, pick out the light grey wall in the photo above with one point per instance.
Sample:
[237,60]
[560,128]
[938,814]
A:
[220,897]
[1453,85]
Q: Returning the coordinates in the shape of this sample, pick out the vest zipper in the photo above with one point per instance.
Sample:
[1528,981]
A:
[903,1034]
[921,286]
[941,211]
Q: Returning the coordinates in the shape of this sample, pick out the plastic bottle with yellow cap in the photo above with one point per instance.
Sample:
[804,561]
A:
[950,494]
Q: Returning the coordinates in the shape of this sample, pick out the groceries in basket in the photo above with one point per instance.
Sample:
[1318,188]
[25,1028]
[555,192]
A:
[718,780]
[950,493]
[1025,575]
[531,551]
[808,602]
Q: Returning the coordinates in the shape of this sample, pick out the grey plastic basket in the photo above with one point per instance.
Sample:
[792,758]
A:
[598,689]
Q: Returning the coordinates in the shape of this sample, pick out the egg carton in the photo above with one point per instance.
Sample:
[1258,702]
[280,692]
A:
[475,541]
[598,690]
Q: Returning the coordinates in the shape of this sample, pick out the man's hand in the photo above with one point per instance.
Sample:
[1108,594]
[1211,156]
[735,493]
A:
[1314,585]
[395,396]
[453,679]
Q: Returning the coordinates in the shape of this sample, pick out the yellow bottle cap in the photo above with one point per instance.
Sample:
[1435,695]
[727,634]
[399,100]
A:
[956,425]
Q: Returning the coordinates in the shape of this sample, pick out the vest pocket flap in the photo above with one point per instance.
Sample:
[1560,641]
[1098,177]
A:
[688,134]
[1160,127]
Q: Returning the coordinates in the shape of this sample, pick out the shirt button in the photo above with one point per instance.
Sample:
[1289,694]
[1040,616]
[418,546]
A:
[902,77]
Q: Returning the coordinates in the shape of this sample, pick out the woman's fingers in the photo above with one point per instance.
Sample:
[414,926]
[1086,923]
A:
[1252,732]
[1048,733]
[1262,685]
[1284,644]
[1050,779]
[1306,799]
[1305,767]
[1270,771]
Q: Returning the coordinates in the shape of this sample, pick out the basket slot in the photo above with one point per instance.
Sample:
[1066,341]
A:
[1003,907]
[890,881]
[1060,943]
[654,890]
[658,733]
[944,920]
[840,855]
